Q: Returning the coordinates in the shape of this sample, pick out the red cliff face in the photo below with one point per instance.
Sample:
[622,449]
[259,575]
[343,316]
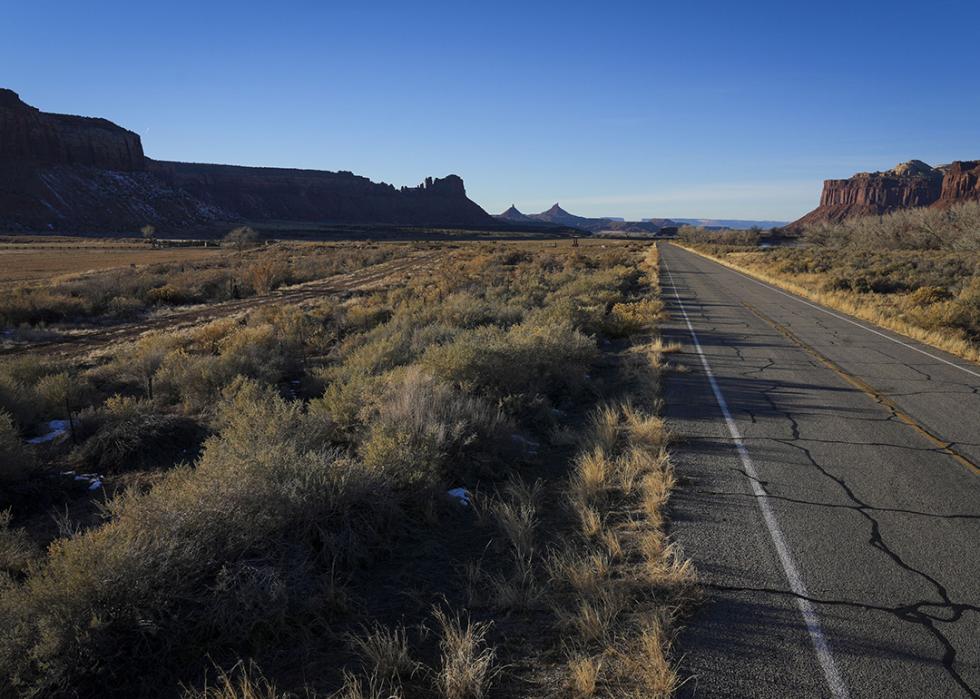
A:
[961,182]
[71,173]
[909,185]
[27,134]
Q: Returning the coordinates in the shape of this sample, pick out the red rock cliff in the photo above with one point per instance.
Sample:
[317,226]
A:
[961,182]
[71,173]
[909,185]
[27,134]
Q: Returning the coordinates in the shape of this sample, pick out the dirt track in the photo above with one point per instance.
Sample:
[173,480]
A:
[366,279]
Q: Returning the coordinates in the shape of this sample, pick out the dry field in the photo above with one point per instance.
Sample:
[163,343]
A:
[414,469]
[22,260]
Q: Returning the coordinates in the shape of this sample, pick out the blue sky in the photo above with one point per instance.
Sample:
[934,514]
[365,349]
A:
[635,109]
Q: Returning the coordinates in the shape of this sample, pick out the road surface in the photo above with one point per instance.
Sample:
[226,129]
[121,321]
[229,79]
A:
[829,496]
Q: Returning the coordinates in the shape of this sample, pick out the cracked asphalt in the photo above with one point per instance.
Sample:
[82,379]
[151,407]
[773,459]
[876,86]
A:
[864,450]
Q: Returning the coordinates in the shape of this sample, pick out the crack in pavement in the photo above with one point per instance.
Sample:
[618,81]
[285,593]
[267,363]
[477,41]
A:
[907,612]
[799,501]
[910,613]
[944,445]
[770,400]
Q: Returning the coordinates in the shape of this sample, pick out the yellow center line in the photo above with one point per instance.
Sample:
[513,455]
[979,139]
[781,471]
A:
[943,445]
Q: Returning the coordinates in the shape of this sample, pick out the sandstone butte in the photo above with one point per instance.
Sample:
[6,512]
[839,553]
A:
[81,174]
[908,185]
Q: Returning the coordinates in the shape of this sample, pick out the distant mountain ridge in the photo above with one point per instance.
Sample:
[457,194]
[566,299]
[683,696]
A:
[733,223]
[557,216]
[512,214]
[80,174]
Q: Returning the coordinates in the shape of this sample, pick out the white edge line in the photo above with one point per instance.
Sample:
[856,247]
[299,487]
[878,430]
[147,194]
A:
[820,645]
[839,316]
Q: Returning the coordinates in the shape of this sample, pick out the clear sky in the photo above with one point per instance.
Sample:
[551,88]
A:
[636,109]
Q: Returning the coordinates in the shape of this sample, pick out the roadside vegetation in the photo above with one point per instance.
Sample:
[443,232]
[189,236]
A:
[915,271]
[455,486]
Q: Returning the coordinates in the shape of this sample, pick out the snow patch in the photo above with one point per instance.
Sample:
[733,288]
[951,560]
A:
[94,480]
[56,427]
[460,495]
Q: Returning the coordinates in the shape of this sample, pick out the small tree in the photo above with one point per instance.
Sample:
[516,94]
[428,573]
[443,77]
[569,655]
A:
[64,393]
[266,274]
[149,233]
[147,357]
[242,237]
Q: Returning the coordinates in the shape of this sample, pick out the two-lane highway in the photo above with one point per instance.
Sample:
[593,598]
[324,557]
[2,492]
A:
[829,496]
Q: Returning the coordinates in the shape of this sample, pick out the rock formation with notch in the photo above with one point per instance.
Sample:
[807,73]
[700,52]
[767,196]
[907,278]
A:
[80,174]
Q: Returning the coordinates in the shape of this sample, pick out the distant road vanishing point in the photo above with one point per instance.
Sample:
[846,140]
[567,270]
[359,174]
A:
[830,496]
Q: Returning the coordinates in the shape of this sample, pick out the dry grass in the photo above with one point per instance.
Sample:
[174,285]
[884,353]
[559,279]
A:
[243,681]
[583,676]
[467,664]
[592,473]
[647,661]
[384,652]
[584,571]
[619,492]
[335,432]
[516,521]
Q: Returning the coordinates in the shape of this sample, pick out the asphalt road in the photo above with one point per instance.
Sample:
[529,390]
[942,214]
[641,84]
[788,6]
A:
[829,496]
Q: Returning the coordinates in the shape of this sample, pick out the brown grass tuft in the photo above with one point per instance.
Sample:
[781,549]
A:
[467,669]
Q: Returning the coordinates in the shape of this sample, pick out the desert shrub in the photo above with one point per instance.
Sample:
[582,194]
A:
[16,462]
[17,551]
[527,358]
[133,435]
[19,401]
[604,287]
[633,317]
[65,393]
[347,402]
[381,349]
[727,238]
[928,295]
[193,380]
[266,352]
[364,315]
[467,310]
[324,261]
[210,336]
[124,307]
[33,305]
[267,273]
[142,361]
[169,295]
[226,555]
[955,228]
[69,387]
[259,352]
[964,311]
[424,426]
[20,378]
